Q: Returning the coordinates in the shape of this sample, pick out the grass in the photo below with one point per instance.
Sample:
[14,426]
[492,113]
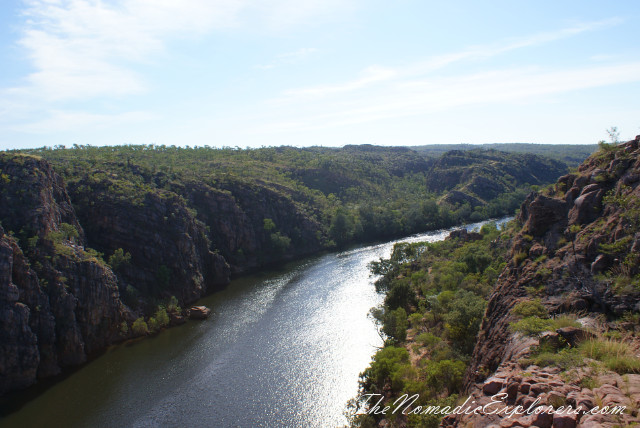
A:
[611,353]
[534,325]
[615,354]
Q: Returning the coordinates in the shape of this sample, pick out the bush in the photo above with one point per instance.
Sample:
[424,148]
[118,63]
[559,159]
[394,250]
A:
[532,326]
[428,339]
[462,322]
[119,258]
[139,327]
[173,306]
[386,362]
[396,324]
[162,317]
[616,355]
[565,359]
[519,257]
[529,308]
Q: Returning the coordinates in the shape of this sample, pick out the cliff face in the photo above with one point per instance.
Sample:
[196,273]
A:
[59,302]
[486,174]
[578,253]
[170,252]
[235,218]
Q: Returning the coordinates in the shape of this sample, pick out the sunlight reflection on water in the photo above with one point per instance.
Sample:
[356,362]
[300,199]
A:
[281,349]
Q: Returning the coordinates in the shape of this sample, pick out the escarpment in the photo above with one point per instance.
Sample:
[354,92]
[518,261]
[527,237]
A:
[102,244]
[235,214]
[60,303]
[80,261]
[575,261]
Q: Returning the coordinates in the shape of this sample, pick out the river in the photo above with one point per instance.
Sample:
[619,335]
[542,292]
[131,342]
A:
[281,349]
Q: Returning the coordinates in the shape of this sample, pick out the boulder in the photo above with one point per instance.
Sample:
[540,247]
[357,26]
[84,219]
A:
[599,264]
[586,207]
[199,312]
[575,335]
[492,385]
[541,213]
[565,420]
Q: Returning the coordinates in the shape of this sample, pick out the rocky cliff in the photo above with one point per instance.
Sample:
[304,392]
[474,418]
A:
[562,322]
[59,302]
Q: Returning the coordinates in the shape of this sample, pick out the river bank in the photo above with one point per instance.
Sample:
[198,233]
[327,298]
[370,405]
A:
[282,348]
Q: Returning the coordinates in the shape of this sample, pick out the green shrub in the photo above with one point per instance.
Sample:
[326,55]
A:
[532,326]
[415,319]
[153,325]
[529,308]
[623,364]
[173,306]
[139,327]
[162,317]
[519,257]
[428,339]
[396,324]
[385,363]
[565,359]
[119,258]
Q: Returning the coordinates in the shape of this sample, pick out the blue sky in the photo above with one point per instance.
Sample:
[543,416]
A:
[316,72]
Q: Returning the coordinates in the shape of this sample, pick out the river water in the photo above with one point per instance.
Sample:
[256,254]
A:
[281,349]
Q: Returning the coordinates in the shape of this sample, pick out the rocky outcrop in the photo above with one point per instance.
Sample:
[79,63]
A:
[484,174]
[171,254]
[18,343]
[587,224]
[235,213]
[60,303]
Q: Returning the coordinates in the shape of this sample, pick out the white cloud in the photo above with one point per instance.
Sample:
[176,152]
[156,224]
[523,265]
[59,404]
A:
[414,97]
[82,49]
[374,75]
[87,50]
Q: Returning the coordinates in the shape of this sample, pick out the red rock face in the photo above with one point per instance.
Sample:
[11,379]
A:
[597,201]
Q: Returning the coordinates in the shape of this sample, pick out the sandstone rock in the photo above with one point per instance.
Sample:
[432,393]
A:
[542,420]
[199,312]
[572,194]
[565,420]
[589,188]
[539,388]
[492,386]
[574,335]
[586,207]
[550,338]
[541,213]
[176,319]
[78,311]
[512,390]
[599,264]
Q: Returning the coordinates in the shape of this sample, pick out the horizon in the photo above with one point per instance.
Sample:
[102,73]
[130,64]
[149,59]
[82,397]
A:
[322,73]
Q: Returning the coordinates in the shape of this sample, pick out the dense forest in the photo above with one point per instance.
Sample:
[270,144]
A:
[100,244]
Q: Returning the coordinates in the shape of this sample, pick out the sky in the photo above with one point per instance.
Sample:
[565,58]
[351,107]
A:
[252,73]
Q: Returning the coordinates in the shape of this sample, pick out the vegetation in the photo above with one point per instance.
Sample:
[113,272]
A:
[435,301]
[356,193]
[572,155]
